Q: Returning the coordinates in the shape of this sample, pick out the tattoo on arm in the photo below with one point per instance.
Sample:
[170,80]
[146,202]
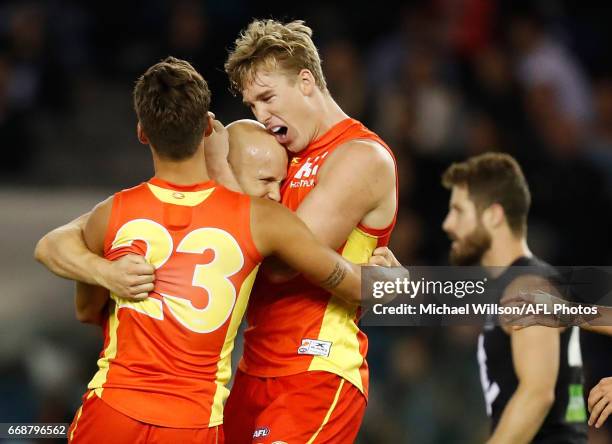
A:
[336,276]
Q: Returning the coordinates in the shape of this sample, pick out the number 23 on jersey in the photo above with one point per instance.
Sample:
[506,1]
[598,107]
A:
[213,277]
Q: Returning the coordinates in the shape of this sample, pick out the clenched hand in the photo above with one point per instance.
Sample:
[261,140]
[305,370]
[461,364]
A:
[130,277]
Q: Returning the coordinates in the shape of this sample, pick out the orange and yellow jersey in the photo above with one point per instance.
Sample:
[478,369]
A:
[166,359]
[296,326]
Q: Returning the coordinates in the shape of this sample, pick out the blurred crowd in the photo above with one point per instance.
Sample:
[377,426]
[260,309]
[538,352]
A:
[438,80]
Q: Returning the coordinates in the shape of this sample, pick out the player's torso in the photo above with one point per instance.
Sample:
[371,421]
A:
[166,359]
[565,422]
[296,326]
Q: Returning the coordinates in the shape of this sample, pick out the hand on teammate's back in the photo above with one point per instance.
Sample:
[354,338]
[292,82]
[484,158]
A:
[130,277]
[384,257]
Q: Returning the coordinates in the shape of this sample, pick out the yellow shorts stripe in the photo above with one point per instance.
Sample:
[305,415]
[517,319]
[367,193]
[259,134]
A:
[329,413]
[78,416]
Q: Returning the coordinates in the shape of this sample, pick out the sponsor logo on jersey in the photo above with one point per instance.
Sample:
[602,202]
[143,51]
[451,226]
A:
[314,347]
[304,177]
[261,432]
[302,183]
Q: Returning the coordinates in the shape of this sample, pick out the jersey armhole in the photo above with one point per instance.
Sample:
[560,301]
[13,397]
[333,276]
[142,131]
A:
[245,215]
[111,230]
[369,136]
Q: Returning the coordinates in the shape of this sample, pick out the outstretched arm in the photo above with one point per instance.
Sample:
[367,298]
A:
[560,312]
[297,246]
[90,300]
[64,252]
[601,323]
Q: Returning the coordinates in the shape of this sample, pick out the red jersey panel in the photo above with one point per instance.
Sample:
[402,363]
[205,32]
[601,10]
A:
[296,326]
[166,359]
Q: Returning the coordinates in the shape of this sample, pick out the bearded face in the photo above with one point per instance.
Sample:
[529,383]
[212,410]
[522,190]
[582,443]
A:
[463,225]
[469,249]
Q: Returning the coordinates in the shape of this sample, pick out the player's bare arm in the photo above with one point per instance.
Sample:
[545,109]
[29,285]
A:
[89,303]
[535,289]
[606,316]
[298,247]
[90,300]
[278,272]
[356,185]
[535,354]
[64,252]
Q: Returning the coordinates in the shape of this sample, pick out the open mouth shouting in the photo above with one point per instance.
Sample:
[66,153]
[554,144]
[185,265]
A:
[280,133]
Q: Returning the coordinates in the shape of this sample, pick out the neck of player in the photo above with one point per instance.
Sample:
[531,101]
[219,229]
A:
[182,172]
[328,113]
[505,249]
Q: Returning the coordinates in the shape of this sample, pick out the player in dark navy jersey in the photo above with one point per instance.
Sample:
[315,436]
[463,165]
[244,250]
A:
[531,377]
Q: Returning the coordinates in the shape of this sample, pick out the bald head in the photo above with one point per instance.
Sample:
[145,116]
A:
[259,162]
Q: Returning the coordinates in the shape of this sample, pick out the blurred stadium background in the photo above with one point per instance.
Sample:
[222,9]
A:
[438,80]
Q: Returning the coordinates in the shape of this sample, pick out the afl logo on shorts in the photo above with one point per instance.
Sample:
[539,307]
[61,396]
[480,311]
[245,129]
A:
[261,432]
[304,348]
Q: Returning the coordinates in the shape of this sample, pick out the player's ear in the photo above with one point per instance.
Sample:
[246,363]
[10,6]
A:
[209,124]
[142,137]
[493,216]
[306,82]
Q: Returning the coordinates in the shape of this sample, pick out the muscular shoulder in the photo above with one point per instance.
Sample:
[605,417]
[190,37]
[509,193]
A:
[361,154]
[95,230]
[360,158]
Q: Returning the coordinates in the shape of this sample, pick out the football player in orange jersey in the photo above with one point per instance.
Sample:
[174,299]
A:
[164,365]
[303,376]
[259,165]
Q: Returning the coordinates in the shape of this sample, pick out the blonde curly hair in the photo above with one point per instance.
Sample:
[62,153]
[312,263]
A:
[273,45]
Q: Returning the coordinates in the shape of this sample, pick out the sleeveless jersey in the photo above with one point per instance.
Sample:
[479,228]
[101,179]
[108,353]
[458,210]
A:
[296,326]
[566,420]
[166,360]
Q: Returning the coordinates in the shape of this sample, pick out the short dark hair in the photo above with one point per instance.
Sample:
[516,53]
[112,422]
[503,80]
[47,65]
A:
[494,178]
[171,100]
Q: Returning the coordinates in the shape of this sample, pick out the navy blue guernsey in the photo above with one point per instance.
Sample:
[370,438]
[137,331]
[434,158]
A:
[566,420]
